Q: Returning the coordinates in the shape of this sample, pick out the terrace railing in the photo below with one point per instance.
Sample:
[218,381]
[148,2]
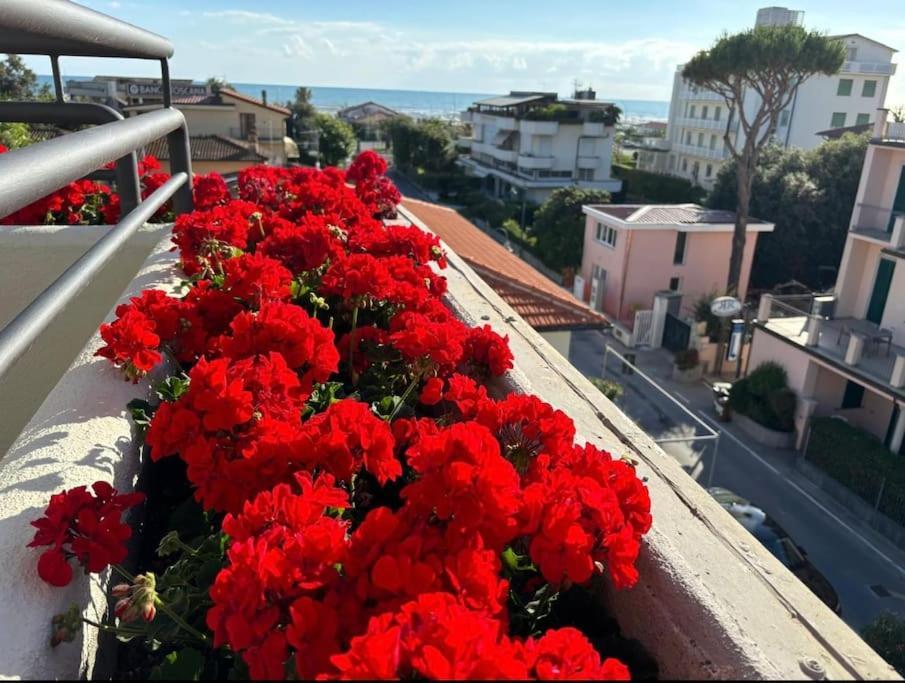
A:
[56,28]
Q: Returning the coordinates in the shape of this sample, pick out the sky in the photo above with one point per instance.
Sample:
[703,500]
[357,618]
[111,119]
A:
[625,50]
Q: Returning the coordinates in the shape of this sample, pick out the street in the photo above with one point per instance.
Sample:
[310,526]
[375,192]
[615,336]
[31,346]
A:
[867,571]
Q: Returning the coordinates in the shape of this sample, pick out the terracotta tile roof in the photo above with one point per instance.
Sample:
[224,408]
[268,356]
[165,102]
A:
[208,148]
[541,302]
[252,100]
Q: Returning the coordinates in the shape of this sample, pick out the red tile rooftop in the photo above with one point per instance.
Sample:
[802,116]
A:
[541,302]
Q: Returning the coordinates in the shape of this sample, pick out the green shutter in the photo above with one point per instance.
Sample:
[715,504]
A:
[881,291]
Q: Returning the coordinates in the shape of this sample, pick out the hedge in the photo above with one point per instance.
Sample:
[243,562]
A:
[656,188]
[859,461]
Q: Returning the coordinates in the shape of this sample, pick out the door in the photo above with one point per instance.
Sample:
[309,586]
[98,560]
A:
[881,291]
[246,125]
[898,205]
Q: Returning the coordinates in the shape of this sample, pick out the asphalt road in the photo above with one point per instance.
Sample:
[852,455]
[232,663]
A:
[867,571]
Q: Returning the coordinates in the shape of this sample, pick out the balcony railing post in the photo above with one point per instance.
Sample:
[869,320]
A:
[764,307]
[181,161]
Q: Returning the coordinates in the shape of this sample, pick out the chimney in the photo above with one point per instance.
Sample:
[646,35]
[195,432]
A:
[264,96]
[880,124]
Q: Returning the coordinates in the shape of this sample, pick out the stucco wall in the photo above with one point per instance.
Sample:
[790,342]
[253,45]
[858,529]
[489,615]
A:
[31,258]
[765,347]
[79,435]
[559,340]
[648,255]
[214,166]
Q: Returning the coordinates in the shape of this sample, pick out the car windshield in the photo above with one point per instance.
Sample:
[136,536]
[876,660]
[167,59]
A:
[781,547]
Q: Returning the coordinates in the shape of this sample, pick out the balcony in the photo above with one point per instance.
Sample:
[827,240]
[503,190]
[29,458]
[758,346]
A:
[588,161]
[529,161]
[879,224]
[701,95]
[539,127]
[505,155]
[711,603]
[847,344]
[702,152]
[593,129]
[243,135]
[881,68]
[707,124]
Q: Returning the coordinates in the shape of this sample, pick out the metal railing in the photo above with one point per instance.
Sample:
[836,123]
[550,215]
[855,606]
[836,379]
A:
[58,28]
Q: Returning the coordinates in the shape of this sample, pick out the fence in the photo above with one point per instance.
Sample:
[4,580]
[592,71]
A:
[55,28]
[682,434]
[676,333]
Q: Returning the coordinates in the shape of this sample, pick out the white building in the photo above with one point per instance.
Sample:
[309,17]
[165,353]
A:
[698,119]
[528,144]
[843,353]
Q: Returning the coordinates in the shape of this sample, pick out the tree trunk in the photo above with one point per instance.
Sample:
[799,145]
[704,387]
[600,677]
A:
[744,178]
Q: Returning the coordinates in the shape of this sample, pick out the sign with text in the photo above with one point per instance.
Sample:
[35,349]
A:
[725,307]
[155,89]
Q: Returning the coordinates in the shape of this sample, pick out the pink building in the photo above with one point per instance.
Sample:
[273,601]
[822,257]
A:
[632,251]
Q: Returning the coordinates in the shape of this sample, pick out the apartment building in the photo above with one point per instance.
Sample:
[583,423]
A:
[699,119]
[631,252]
[527,144]
[844,352]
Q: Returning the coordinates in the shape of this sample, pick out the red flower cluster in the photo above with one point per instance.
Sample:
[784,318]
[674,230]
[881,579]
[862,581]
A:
[373,188]
[87,202]
[367,523]
[84,525]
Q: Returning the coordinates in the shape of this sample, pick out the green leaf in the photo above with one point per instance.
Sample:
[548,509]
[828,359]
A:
[186,664]
[141,412]
[172,387]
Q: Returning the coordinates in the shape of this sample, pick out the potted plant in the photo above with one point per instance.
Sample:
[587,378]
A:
[686,366]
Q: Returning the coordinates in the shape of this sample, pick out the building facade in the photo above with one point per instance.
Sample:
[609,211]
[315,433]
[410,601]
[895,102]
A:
[527,144]
[699,119]
[631,252]
[842,351]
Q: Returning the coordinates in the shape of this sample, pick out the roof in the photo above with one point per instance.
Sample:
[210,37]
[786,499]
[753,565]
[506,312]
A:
[835,133]
[372,103]
[541,302]
[870,40]
[252,100]
[667,215]
[511,100]
[208,148]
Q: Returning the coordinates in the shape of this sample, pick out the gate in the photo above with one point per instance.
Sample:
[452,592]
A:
[642,331]
[676,333]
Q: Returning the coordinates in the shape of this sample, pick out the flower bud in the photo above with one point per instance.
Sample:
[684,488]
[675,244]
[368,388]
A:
[148,611]
[120,590]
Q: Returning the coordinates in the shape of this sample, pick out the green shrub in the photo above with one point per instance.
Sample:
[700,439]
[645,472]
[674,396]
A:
[551,112]
[764,396]
[767,378]
[859,461]
[644,186]
[702,313]
[687,359]
[612,390]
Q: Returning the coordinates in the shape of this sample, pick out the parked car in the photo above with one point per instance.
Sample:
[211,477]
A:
[774,538]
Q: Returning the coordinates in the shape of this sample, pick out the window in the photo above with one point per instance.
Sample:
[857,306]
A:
[700,139]
[246,125]
[678,256]
[687,137]
[684,164]
[845,87]
[713,142]
[586,174]
[862,120]
[704,110]
[851,54]
[716,113]
[675,283]
[693,109]
[853,396]
[784,118]
[869,89]
[606,235]
[838,120]
[709,171]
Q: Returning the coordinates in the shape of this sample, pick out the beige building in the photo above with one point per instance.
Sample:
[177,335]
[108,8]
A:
[844,352]
[236,120]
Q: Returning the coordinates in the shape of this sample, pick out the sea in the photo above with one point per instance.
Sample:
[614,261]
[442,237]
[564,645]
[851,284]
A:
[415,103]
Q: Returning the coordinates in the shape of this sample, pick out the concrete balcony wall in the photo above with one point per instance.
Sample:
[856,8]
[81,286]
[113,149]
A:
[708,124]
[711,602]
[31,258]
[593,129]
[508,155]
[539,127]
[532,162]
[588,162]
